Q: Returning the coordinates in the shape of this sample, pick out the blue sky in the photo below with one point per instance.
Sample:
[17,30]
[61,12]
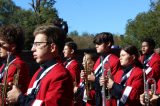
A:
[95,16]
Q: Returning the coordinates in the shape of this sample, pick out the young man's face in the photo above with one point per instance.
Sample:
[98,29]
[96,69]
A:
[4,49]
[67,51]
[41,49]
[101,48]
[145,48]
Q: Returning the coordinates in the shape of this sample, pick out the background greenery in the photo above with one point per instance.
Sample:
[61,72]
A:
[146,24]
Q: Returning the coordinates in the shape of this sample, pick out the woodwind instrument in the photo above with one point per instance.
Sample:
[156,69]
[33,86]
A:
[4,86]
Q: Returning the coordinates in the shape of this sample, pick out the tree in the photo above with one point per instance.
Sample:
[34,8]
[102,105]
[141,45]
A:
[144,25]
[7,8]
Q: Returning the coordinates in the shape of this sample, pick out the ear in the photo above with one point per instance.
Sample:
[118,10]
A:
[12,47]
[72,51]
[133,57]
[108,43]
[53,47]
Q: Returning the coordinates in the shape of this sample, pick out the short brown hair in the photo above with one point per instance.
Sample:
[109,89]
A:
[54,35]
[103,37]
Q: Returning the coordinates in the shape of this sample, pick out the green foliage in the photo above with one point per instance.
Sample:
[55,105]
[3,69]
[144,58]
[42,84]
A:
[144,25]
[7,8]
[42,12]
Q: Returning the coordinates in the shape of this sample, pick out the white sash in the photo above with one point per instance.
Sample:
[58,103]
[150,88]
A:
[69,63]
[37,102]
[100,65]
[36,84]
[127,75]
[148,70]
[127,90]
[6,68]
[125,95]
[84,96]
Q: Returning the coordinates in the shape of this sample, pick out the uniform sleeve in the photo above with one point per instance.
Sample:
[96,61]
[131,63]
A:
[25,100]
[116,90]
[115,65]
[132,92]
[155,70]
[12,70]
[158,102]
[23,75]
[158,87]
[75,72]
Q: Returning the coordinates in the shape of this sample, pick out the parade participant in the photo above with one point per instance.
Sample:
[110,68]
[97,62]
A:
[82,92]
[103,42]
[71,63]
[150,59]
[11,45]
[153,100]
[128,82]
[51,85]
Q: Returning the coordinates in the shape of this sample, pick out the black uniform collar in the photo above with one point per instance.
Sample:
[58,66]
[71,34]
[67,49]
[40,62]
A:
[11,58]
[48,64]
[127,69]
[104,55]
[147,56]
[68,59]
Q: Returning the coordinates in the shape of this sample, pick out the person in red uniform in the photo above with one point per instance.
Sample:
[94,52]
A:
[103,42]
[128,82]
[154,99]
[150,59]
[11,45]
[82,92]
[71,63]
[151,65]
[52,84]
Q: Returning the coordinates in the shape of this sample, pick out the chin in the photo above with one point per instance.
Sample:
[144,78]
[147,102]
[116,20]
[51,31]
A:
[38,61]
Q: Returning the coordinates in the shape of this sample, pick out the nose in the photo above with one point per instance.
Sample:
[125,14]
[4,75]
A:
[96,45]
[33,48]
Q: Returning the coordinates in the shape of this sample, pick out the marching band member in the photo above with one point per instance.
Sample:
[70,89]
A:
[103,42]
[150,60]
[151,65]
[11,45]
[128,82]
[82,93]
[52,84]
[71,63]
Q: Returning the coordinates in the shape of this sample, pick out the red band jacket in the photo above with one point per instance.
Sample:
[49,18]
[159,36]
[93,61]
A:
[130,90]
[56,88]
[152,66]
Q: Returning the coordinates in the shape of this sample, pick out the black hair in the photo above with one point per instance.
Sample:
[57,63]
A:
[103,37]
[13,34]
[72,45]
[150,42]
[132,50]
